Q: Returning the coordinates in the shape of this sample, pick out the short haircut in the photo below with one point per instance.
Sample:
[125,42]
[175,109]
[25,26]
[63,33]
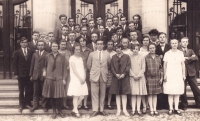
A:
[71,32]
[109,18]
[153,32]
[54,43]
[77,25]
[99,40]
[94,33]
[99,17]
[90,20]
[133,46]
[42,40]
[118,28]
[132,31]
[113,34]
[115,17]
[83,27]
[130,22]
[84,19]
[137,15]
[63,41]
[50,33]
[23,38]
[36,32]
[150,45]
[70,18]
[162,33]
[84,39]
[110,41]
[124,38]
[185,38]
[145,36]
[62,15]
[101,25]
[123,17]
[119,45]
[64,26]
[174,39]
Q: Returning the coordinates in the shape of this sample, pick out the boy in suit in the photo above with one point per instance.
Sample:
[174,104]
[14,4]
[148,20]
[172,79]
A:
[36,71]
[57,31]
[131,27]
[33,43]
[84,35]
[71,24]
[98,63]
[109,29]
[124,25]
[94,38]
[115,22]
[161,49]
[102,34]
[77,30]
[190,59]
[91,28]
[65,32]
[136,21]
[71,42]
[21,66]
[49,39]
[99,22]
[84,22]
[119,32]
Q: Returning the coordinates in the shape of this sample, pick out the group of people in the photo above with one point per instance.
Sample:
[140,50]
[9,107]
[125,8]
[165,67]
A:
[90,59]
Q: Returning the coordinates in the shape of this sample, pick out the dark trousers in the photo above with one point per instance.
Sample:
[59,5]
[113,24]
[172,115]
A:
[162,101]
[191,80]
[56,103]
[25,87]
[37,93]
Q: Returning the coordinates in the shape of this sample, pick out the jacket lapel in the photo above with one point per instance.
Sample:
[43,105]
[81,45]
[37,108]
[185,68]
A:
[43,55]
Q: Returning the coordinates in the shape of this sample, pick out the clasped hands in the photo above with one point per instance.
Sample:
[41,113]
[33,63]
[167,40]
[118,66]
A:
[120,76]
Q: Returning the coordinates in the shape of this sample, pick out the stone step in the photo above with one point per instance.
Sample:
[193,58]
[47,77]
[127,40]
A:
[9,95]
[9,88]
[9,82]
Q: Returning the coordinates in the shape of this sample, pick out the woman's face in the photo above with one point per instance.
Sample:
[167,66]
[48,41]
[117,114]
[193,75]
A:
[54,47]
[77,50]
[174,43]
[135,51]
[152,49]
[118,50]
[145,41]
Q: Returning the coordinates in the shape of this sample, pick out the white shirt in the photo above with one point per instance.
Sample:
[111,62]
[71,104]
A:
[34,42]
[94,45]
[40,52]
[24,51]
[109,28]
[64,37]
[162,46]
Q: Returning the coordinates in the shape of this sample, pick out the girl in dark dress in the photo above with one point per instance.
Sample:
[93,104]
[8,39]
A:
[55,74]
[120,86]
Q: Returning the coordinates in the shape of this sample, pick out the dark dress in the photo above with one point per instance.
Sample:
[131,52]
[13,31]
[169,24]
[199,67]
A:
[153,68]
[55,73]
[120,66]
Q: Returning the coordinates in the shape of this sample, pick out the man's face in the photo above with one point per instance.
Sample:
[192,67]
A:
[51,37]
[131,26]
[63,45]
[35,36]
[116,21]
[162,38]
[71,22]
[65,31]
[110,45]
[101,29]
[119,50]
[63,20]
[82,42]
[125,43]
[114,38]
[123,21]
[100,45]
[24,43]
[99,21]
[94,37]
[84,22]
[77,29]
[184,43]
[72,36]
[91,24]
[84,31]
[133,36]
[119,32]
[136,19]
[40,46]
[109,22]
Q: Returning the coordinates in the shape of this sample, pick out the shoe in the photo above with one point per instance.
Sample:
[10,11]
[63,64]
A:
[156,113]
[178,112]
[53,116]
[77,115]
[118,113]
[151,113]
[45,109]
[80,106]
[170,112]
[126,113]
[144,111]
[184,108]
[103,113]
[139,113]
[95,113]
[66,107]
[61,114]
[29,107]
[20,109]
[86,108]
[109,107]
[33,109]
[132,113]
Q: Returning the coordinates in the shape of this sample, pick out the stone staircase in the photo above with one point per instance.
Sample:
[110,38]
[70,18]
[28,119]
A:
[9,99]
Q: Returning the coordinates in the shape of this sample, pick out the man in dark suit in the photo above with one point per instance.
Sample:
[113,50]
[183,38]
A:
[99,22]
[124,25]
[136,21]
[84,22]
[161,49]
[64,36]
[94,38]
[57,31]
[131,27]
[84,35]
[49,39]
[21,66]
[115,20]
[77,30]
[71,24]
[109,29]
[91,28]
[101,34]
[36,75]
[33,43]
[190,59]
[71,42]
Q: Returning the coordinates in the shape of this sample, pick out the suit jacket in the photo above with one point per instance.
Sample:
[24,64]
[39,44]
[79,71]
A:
[139,27]
[37,66]
[70,48]
[32,46]
[125,30]
[95,30]
[108,33]
[60,39]
[21,66]
[47,47]
[90,46]
[103,37]
[160,52]
[97,67]
[190,62]
[57,32]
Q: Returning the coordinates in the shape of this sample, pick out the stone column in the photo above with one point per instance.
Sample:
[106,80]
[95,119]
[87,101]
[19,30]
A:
[44,15]
[154,15]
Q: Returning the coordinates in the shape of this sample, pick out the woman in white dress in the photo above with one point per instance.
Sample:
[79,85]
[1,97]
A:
[77,85]
[174,76]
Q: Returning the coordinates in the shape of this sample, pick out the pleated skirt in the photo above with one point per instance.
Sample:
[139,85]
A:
[53,89]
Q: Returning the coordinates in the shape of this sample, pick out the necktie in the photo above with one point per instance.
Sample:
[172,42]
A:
[99,55]
[25,54]
[185,51]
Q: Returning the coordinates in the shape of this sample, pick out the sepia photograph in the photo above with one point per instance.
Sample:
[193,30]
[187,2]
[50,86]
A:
[99,60]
